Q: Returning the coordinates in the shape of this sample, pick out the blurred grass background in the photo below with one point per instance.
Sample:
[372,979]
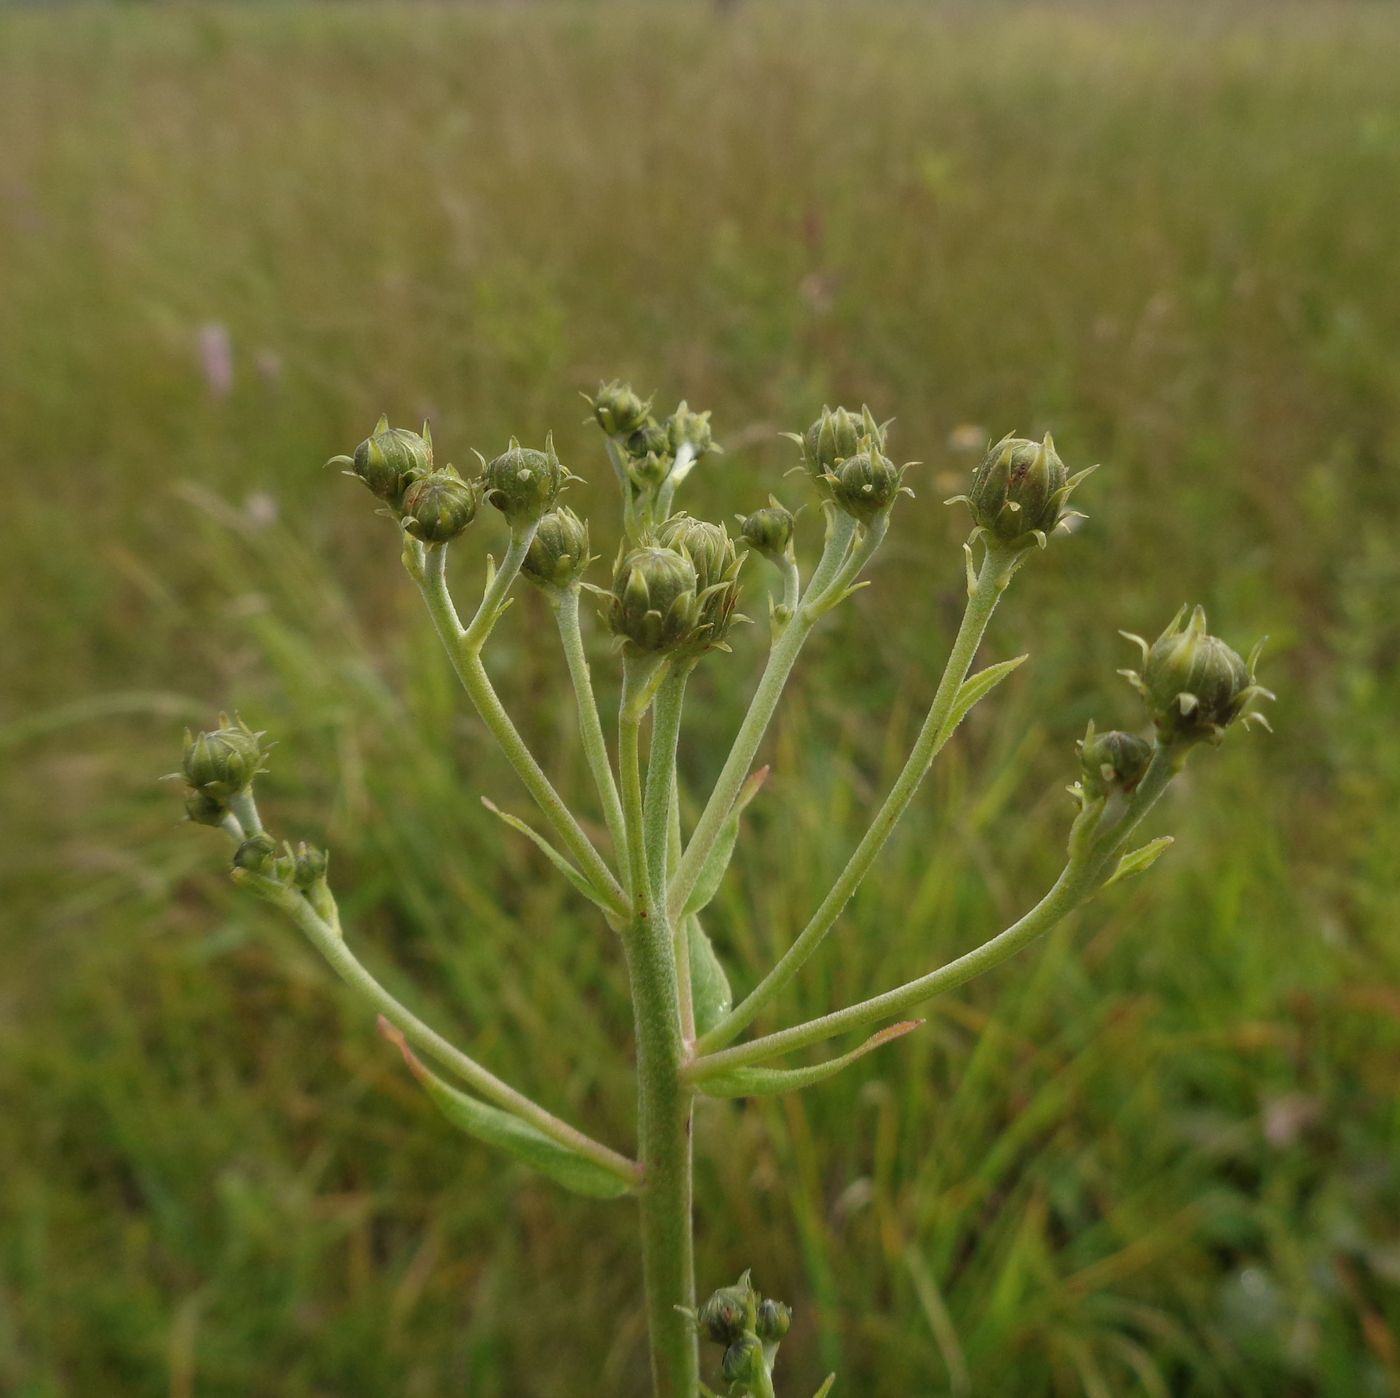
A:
[1158,1155]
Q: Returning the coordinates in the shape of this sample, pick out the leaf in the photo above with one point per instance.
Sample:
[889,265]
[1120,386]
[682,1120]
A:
[552,854]
[709,985]
[768,1082]
[972,689]
[826,1387]
[509,1133]
[1140,860]
[722,851]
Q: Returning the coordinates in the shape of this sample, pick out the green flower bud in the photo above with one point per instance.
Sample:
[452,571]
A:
[523,484]
[223,762]
[617,409]
[257,854]
[654,605]
[866,485]
[1194,684]
[558,553]
[649,470]
[743,1361]
[836,436]
[769,531]
[391,458]
[729,1311]
[309,866]
[684,426]
[439,506]
[1112,761]
[1019,491]
[650,439]
[717,564]
[204,809]
[774,1321]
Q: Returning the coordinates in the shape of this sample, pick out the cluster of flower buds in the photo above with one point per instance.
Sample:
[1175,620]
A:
[653,605]
[1020,492]
[303,867]
[716,562]
[845,455]
[1111,763]
[436,504]
[750,1328]
[218,766]
[1195,686]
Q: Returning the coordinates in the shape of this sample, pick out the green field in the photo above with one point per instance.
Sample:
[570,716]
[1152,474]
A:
[1158,1154]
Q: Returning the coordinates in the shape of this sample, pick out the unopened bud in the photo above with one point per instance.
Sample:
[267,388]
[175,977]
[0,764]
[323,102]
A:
[204,809]
[309,866]
[558,553]
[866,485]
[650,439]
[774,1321]
[1020,490]
[743,1361]
[654,604]
[769,531]
[729,1311]
[1194,684]
[523,484]
[390,459]
[716,562]
[617,409]
[439,506]
[685,427]
[257,854]
[223,762]
[838,435]
[1112,761]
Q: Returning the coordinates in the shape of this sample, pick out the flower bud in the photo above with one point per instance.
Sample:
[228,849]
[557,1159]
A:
[439,506]
[522,484]
[769,531]
[1112,761]
[1194,684]
[711,552]
[257,854]
[836,436]
[391,458]
[204,809]
[743,1361]
[650,439]
[617,409]
[685,427]
[724,1316]
[309,866]
[647,471]
[223,762]
[866,485]
[654,604]
[774,1321]
[558,553]
[1019,491]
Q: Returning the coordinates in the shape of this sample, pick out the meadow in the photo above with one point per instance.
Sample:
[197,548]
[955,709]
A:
[1157,1154]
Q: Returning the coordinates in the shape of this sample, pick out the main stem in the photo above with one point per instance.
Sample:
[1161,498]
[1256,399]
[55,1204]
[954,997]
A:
[664,1100]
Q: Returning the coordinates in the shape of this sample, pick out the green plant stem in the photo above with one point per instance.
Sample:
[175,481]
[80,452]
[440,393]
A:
[664,1100]
[1080,878]
[661,775]
[781,658]
[682,930]
[595,748]
[245,811]
[326,936]
[982,598]
[426,566]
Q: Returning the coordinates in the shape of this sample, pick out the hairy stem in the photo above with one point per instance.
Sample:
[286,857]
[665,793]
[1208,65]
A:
[981,602]
[595,748]
[426,566]
[781,659]
[1079,879]
[327,938]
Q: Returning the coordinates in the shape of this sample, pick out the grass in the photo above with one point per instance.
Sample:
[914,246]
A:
[1155,1156]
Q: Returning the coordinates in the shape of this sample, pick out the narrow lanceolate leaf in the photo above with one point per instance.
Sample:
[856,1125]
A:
[826,1387]
[973,688]
[768,1082]
[558,860]
[722,851]
[1139,860]
[709,985]
[509,1133]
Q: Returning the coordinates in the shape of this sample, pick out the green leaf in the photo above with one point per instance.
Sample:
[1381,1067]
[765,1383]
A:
[768,1082]
[1140,860]
[826,1387]
[722,851]
[552,854]
[709,985]
[972,689]
[509,1133]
